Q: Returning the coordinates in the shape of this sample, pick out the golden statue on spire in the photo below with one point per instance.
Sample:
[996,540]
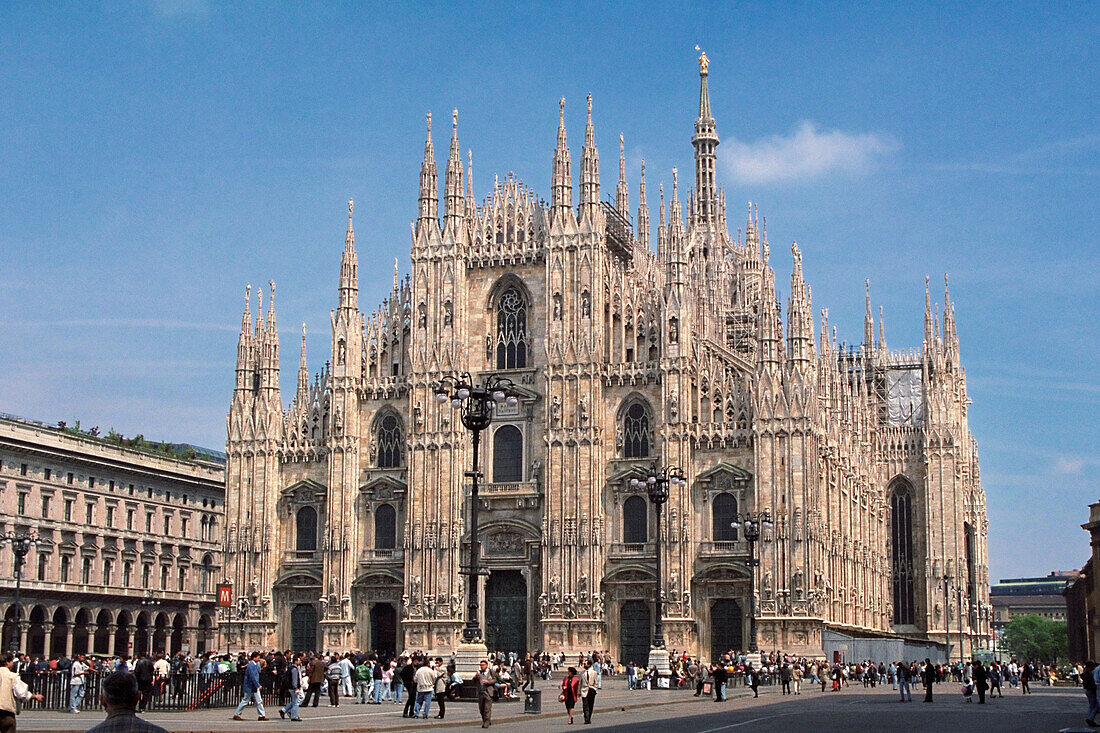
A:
[704,62]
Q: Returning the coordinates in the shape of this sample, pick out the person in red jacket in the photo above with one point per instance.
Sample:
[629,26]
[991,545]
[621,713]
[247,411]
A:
[570,691]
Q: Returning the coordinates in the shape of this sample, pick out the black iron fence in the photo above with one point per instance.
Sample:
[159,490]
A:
[186,691]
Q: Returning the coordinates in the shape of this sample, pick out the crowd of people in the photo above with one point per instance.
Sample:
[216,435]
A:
[297,680]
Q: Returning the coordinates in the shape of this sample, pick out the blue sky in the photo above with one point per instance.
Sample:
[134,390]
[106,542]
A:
[155,157]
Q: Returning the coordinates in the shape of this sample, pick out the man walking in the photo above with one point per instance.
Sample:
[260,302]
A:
[293,688]
[316,676]
[486,681]
[588,690]
[903,675]
[408,681]
[250,689]
[78,670]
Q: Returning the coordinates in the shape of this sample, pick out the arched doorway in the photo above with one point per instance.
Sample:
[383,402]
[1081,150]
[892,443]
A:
[303,628]
[178,624]
[80,632]
[725,628]
[506,612]
[59,633]
[101,644]
[634,632]
[141,635]
[160,633]
[36,635]
[383,629]
[204,634]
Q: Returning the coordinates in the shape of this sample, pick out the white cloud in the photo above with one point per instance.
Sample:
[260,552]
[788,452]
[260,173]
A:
[1069,465]
[807,153]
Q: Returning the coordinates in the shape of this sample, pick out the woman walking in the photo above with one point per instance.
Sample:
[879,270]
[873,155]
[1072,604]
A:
[570,691]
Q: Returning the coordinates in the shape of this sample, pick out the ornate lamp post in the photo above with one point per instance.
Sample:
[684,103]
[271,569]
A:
[656,485]
[752,523]
[21,543]
[948,581]
[475,404]
[148,599]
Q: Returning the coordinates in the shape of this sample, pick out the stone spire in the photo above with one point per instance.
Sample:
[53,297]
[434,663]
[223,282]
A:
[452,187]
[868,322]
[705,141]
[675,217]
[881,331]
[662,229]
[244,348]
[950,335]
[622,194]
[590,169]
[349,268]
[303,374]
[561,187]
[643,212]
[428,215]
[471,205]
[269,362]
[800,321]
[929,335]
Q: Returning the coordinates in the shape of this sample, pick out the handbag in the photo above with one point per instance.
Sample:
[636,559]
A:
[561,697]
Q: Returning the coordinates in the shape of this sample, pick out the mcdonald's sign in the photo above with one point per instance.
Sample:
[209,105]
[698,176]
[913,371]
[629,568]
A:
[225,596]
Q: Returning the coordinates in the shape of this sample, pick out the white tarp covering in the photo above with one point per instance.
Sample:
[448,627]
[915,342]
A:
[903,397]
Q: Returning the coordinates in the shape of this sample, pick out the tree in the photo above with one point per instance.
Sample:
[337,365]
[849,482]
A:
[1037,639]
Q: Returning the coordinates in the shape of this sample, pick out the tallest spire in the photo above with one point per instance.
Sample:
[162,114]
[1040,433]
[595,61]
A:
[705,141]
[428,214]
[561,187]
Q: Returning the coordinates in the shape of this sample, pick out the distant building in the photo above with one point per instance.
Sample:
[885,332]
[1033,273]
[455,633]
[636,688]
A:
[129,544]
[1081,599]
[1014,597]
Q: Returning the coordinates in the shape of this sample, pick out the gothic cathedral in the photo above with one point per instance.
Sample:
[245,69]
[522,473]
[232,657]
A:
[346,511]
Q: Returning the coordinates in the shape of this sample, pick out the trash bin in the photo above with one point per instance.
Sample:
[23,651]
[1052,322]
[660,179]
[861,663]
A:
[532,702]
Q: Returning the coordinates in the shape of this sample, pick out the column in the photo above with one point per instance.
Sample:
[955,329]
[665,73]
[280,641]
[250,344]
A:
[69,639]
[47,638]
[24,627]
[92,628]
[112,639]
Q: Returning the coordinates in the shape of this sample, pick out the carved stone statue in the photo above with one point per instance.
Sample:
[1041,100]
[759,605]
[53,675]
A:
[570,606]
[555,410]
[544,605]
[582,410]
[582,588]
[767,584]
[555,588]
[404,606]
[418,415]
[415,588]
[597,606]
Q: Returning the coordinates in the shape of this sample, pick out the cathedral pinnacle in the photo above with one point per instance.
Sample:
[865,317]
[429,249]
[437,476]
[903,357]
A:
[868,321]
[452,194]
[349,266]
[622,194]
[705,141]
[429,184]
[643,212]
[590,169]
[561,187]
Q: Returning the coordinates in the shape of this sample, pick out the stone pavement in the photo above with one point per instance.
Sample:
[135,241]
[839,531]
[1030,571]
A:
[856,708]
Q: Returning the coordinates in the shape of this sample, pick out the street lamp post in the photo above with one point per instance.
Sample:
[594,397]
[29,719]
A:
[656,484]
[475,403]
[751,523]
[948,579]
[21,543]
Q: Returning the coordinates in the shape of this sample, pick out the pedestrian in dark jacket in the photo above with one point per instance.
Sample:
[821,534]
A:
[929,677]
[143,673]
[408,675]
[316,678]
[981,680]
[720,676]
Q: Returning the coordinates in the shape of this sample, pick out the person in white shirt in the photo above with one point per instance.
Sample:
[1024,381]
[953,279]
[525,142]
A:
[161,666]
[12,688]
[79,674]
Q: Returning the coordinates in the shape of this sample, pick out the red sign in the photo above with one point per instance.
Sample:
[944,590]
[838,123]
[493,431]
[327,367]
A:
[225,596]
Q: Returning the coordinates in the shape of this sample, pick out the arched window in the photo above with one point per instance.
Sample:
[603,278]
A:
[636,432]
[390,442]
[205,570]
[507,454]
[635,520]
[901,545]
[385,527]
[306,529]
[511,330]
[723,509]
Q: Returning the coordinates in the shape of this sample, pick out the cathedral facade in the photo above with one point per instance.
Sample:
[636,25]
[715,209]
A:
[347,511]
